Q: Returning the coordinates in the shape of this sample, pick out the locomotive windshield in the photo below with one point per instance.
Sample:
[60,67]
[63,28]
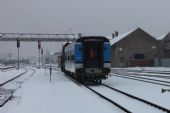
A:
[93,54]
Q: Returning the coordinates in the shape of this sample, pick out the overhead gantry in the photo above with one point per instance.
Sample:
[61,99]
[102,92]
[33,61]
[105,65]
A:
[37,37]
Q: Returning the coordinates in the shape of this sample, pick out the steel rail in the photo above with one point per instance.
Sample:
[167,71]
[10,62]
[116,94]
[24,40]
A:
[137,98]
[124,76]
[109,100]
[129,75]
[2,84]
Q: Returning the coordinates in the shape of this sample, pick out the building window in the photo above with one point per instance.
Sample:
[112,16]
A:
[120,49]
[139,56]
[153,47]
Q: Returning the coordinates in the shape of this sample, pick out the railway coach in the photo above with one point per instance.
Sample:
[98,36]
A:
[88,58]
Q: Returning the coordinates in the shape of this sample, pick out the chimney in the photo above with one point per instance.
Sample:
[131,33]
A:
[116,33]
[113,35]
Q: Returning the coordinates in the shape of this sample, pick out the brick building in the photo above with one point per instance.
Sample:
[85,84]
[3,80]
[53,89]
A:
[134,48]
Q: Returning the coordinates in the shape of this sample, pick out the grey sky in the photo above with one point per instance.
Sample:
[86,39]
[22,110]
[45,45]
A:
[94,17]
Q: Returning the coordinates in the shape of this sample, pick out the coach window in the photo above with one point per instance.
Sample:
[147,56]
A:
[80,48]
[68,57]
[72,57]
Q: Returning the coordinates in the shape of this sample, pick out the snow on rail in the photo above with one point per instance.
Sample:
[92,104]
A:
[5,95]
[5,76]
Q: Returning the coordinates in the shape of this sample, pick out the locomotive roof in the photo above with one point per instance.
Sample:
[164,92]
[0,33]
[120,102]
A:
[91,38]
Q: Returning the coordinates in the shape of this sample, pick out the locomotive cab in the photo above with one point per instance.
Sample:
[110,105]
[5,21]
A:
[88,58]
[95,55]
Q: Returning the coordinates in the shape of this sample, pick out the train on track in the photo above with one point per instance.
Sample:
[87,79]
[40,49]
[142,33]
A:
[87,58]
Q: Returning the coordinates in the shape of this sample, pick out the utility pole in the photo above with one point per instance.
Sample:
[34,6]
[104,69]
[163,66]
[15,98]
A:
[18,45]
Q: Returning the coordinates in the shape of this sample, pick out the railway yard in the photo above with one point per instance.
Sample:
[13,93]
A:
[127,90]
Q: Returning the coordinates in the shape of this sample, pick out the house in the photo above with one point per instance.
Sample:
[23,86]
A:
[134,48]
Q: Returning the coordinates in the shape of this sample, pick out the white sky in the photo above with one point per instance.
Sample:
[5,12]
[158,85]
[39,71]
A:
[94,17]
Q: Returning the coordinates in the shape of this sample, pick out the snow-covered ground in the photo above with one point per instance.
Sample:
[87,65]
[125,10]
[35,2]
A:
[38,95]
[7,75]
[150,92]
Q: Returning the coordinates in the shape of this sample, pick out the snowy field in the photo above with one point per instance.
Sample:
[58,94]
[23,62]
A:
[38,95]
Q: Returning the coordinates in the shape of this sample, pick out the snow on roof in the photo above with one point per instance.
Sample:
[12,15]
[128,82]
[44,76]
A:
[120,37]
[161,37]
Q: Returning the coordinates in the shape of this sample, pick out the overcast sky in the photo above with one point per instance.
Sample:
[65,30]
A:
[91,17]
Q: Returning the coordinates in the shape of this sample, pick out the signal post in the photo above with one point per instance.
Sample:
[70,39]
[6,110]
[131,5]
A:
[18,46]
[39,48]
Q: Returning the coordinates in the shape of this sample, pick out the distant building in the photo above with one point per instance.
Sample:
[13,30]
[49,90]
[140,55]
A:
[52,57]
[58,55]
[165,43]
[134,48]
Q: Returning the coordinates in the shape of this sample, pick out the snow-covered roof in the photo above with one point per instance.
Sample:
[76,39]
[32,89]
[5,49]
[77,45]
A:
[161,37]
[120,37]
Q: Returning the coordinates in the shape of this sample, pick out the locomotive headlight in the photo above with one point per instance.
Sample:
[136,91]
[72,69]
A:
[107,65]
[78,65]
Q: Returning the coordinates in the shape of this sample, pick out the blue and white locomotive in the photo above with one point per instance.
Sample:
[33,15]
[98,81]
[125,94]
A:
[88,58]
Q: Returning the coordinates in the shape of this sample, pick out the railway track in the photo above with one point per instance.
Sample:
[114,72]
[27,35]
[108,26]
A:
[109,100]
[147,80]
[152,106]
[133,75]
[156,72]
[11,91]
[13,78]
[134,102]
[150,75]
[138,99]
[144,71]
[100,95]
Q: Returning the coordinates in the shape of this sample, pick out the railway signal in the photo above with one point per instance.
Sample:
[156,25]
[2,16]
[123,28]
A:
[18,43]
[42,56]
[39,47]
[18,46]
[42,51]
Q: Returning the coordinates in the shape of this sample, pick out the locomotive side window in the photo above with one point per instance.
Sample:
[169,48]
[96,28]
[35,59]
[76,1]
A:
[72,57]
[80,48]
